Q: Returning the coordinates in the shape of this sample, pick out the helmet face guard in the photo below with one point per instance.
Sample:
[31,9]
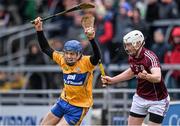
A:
[132,42]
[135,49]
[72,52]
[129,52]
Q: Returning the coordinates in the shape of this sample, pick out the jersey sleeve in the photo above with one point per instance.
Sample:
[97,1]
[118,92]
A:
[57,57]
[96,52]
[153,60]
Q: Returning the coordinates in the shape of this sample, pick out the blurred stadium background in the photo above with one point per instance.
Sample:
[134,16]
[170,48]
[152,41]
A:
[30,82]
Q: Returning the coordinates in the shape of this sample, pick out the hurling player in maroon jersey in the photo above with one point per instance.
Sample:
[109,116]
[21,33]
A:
[151,95]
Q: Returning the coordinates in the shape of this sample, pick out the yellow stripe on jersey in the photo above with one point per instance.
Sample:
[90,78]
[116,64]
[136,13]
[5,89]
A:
[85,110]
[77,80]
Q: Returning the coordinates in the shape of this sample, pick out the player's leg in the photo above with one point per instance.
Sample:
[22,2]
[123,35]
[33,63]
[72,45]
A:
[155,120]
[138,111]
[153,124]
[73,116]
[56,113]
[62,122]
[135,119]
[49,119]
[157,111]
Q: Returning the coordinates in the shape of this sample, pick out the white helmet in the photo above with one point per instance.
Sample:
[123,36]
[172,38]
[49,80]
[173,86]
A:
[133,37]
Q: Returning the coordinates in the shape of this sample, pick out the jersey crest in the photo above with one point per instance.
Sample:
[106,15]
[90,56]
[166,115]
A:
[74,79]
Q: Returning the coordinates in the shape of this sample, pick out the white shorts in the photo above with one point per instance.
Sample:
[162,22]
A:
[142,106]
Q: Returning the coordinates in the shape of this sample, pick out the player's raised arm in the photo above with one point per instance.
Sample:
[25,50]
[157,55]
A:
[96,52]
[88,25]
[41,38]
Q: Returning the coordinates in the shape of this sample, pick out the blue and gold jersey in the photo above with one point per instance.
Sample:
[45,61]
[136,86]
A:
[77,80]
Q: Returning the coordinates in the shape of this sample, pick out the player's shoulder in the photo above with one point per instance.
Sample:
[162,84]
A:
[150,53]
[151,56]
[85,57]
[58,53]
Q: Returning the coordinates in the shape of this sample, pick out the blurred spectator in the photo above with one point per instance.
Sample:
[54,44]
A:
[55,78]
[178,4]
[4,17]
[3,81]
[104,32]
[142,6]
[122,26]
[87,1]
[87,50]
[132,3]
[168,9]
[172,57]
[13,6]
[159,46]
[42,7]
[75,29]
[123,22]
[64,21]
[152,11]
[57,44]
[137,22]
[35,57]
[110,9]
[16,81]
[28,10]
[111,12]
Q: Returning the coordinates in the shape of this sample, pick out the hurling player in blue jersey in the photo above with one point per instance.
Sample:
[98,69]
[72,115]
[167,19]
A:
[76,97]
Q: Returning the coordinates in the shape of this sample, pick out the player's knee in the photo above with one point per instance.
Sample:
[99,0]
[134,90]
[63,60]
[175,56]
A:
[135,119]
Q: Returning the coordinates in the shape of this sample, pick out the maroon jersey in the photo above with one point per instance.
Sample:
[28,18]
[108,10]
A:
[145,89]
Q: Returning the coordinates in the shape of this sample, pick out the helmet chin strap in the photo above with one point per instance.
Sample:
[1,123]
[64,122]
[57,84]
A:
[138,49]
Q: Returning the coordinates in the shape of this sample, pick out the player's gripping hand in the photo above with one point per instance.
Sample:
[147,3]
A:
[142,75]
[90,33]
[106,80]
[38,24]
